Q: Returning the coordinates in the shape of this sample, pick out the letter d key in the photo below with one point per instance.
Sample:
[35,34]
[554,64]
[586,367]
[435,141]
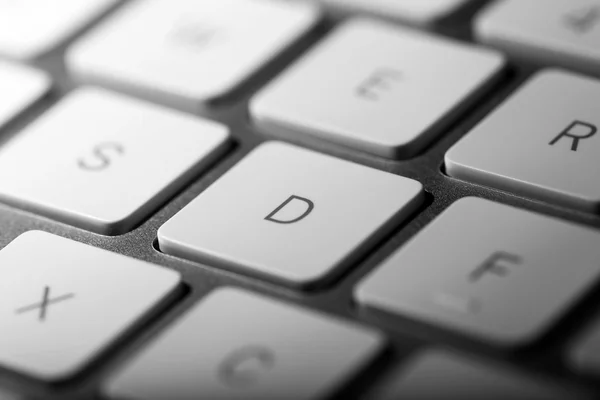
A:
[287,213]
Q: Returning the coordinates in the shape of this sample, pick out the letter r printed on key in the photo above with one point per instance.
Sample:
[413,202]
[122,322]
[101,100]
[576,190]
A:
[576,131]
[275,215]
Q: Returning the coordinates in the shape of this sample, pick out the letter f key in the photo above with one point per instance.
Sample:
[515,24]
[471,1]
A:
[287,213]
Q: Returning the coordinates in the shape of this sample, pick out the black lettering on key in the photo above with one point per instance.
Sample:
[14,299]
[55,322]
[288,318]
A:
[577,131]
[290,200]
[244,366]
[193,34]
[583,20]
[493,266]
[42,305]
[101,156]
[379,81]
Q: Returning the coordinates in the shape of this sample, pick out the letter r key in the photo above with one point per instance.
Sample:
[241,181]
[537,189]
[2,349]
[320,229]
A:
[542,143]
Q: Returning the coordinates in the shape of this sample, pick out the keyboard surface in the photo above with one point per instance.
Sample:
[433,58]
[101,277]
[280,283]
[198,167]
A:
[296,199]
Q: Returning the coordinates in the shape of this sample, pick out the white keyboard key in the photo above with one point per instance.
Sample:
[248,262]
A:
[102,162]
[389,99]
[444,375]
[21,87]
[417,12]
[541,142]
[29,28]
[236,345]
[497,273]
[585,355]
[62,302]
[188,52]
[556,32]
[290,214]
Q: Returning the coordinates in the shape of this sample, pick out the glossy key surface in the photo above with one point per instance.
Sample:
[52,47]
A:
[494,272]
[29,28]
[237,345]
[440,374]
[185,53]
[375,87]
[564,33]
[62,302]
[102,161]
[21,87]
[418,12]
[290,214]
[543,142]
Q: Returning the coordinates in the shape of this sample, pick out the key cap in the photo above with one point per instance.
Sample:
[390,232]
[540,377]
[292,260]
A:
[540,143]
[185,53]
[437,374]
[498,274]
[30,28]
[102,161]
[237,345]
[585,354]
[21,87]
[416,12]
[555,32]
[390,99]
[291,215]
[62,302]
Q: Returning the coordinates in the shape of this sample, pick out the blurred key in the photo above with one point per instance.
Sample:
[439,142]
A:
[29,28]
[20,87]
[443,375]
[102,161]
[185,53]
[488,270]
[543,142]
[63,302]
[554,32]
[418,12]
[585,355]
[236,345]
[376,87]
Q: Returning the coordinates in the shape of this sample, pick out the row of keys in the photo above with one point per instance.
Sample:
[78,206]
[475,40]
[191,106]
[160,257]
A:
[30,28]
[231,345]
[550,137]
[557,32]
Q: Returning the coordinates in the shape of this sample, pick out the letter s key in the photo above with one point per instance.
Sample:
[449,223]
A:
[101,153]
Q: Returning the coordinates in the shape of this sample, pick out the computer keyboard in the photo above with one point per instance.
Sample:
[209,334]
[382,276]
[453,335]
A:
[295,199]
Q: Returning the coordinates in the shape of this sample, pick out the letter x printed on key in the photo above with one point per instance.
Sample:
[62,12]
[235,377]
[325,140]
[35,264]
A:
[43,305]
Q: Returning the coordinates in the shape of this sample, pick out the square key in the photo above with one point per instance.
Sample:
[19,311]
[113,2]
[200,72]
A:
[188,53]
[563,33]
[21,87]
[437,375]
[236,345]
[103,162]
[497,273]
[543,142]
[62,303]
[376,87]
[30,28]
[290,214]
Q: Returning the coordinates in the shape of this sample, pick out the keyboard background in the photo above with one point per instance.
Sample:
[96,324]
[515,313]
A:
[545,357]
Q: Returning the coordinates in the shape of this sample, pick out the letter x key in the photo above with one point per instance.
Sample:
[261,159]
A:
[43,305]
